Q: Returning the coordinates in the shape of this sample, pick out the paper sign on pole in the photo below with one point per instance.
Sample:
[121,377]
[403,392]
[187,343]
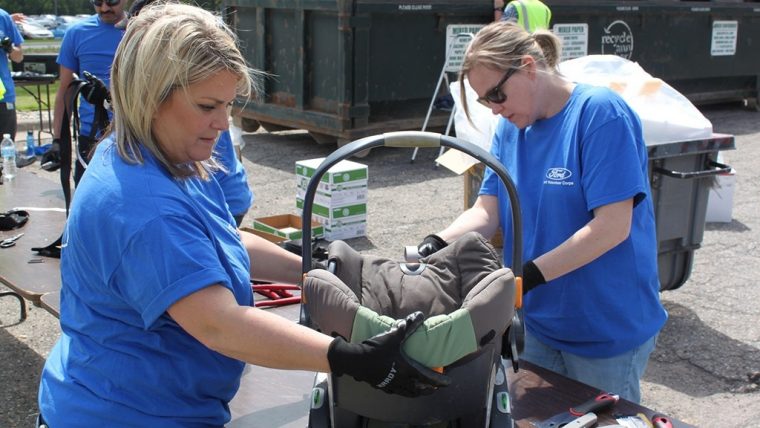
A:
[457,40]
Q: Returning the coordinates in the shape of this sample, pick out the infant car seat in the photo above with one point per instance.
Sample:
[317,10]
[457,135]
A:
[468,300]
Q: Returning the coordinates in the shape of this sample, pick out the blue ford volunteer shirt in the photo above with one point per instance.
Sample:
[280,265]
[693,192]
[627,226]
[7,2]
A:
[234,181]
[8,29]
[137,241]
[90,46]
[588,155]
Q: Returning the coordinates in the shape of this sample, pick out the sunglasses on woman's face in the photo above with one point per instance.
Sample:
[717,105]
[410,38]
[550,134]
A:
[98,3]
[495,95]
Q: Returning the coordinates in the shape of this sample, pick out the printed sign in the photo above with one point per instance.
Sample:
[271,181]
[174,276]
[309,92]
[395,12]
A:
[724,38]
[574,39]
[458,36]
[617,39]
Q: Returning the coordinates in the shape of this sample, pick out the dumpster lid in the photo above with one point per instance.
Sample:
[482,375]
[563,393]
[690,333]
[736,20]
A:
[714,143]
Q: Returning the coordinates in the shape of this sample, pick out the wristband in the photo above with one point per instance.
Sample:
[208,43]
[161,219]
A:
[532,277]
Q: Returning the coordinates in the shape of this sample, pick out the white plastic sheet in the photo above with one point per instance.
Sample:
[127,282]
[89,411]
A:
[666,115]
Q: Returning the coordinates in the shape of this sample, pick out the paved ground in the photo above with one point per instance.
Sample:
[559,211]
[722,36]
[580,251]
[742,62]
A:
[706,369]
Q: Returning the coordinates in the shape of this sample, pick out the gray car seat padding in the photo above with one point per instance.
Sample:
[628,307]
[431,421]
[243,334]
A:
[467,298]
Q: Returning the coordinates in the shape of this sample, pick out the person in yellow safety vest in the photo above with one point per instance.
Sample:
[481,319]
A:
[532,15]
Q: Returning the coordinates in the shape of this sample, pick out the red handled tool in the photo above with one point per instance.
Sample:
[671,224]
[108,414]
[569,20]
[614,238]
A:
[661,421]
[278,294]
[602,401]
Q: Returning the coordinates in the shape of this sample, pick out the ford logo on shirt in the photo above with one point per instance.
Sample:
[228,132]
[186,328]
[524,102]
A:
[558,174]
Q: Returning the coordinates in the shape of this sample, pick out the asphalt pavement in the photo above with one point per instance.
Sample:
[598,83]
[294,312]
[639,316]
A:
[705,370]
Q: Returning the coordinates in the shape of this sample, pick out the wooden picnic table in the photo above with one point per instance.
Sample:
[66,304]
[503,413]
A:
[21,269]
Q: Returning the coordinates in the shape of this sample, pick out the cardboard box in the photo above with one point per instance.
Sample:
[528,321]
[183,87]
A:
[332,215]
[267,236]
[720,201]
[285,226]
[336,198]
[346,231]
[341,175]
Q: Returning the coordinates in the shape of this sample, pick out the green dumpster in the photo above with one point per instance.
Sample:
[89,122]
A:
[708,51]
[347,69]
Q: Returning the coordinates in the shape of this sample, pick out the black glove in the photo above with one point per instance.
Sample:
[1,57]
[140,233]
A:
[51,159]
[382,363]
[95,91]
[431,244]
[6,44]
[532,277]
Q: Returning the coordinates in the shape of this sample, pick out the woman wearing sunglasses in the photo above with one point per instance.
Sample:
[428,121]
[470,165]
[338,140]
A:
[577,155]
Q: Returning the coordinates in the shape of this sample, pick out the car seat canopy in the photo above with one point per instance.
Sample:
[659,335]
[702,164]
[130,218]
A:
[467,297]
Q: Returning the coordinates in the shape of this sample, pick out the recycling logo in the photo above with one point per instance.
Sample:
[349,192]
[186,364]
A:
[617,39]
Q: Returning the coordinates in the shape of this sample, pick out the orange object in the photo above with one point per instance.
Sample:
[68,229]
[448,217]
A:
[438,369]
[518,292]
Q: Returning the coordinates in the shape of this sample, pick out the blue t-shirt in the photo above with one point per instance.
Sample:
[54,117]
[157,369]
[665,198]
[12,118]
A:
[8,29]
[89,45]
[137,241]
[234,181]
[588,155]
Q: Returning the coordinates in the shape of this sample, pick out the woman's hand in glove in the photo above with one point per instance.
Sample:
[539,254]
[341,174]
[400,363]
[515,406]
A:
[431,244]
[381,361]
[51,159]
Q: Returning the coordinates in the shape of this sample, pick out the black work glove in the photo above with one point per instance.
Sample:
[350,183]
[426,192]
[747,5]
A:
[6,44]
[532,277]
[51,159]
[381,361]
[95,91]
[431,244]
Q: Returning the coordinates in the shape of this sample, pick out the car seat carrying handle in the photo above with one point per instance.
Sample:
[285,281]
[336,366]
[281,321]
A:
[409,139]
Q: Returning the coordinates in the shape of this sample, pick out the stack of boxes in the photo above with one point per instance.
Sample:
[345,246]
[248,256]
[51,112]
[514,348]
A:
[340,203]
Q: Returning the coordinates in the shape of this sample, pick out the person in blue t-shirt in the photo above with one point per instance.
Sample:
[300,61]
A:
[10,48]
[157,316]
[88,45]
[577,157]
[233,179]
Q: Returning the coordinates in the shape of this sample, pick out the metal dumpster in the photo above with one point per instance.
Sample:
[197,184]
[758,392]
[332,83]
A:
[346,69]
[705,50]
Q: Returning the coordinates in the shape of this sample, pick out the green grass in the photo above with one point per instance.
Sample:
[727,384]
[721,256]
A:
[41,45]
[25,102]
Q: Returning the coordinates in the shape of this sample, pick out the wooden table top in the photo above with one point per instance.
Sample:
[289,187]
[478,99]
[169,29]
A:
[20,268]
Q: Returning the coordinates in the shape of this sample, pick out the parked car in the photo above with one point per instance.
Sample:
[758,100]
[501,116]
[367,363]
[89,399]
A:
[63,24]
[46,21]
[33,31]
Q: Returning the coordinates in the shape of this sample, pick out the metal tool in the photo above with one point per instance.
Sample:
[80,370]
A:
[661,421]
[9,242]
[600,402]
[585,421]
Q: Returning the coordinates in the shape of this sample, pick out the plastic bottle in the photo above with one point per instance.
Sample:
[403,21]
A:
[29,144]
[8,151]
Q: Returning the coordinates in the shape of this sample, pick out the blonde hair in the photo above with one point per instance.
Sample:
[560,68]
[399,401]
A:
[168,47]
[501,45]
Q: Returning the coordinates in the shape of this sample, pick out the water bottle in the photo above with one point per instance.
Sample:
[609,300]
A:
[8,151]
[29,144]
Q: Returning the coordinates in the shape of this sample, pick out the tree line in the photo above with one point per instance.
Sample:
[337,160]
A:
[75,7]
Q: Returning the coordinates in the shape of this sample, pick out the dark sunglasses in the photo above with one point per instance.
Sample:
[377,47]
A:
[98,3]
[495,95]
